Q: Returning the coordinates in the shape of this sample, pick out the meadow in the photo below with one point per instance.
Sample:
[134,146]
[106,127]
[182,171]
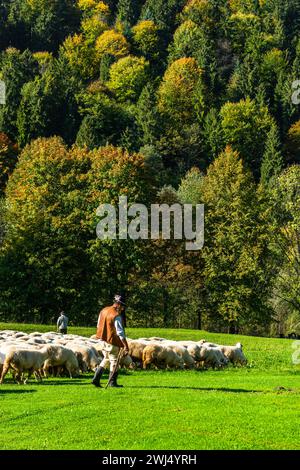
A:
[254,407]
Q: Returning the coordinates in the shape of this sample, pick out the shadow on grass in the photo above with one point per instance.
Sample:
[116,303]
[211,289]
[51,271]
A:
[63,382]
[201,389]
[16,391]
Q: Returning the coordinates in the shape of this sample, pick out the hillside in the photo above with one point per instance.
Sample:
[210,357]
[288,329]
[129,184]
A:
[161,101]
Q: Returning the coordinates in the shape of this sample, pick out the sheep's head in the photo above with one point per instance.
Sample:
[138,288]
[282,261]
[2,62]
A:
[50,350]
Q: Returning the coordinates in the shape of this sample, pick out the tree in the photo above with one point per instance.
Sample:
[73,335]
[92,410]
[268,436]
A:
[272,162]
[4,33]
[236,244]
[213,137]
[191,186]
[181,103]
[17,69]
[128,77]
[292,144]
[2,221]
[44,59]
[106,62]
[128,12]
[81,57]
[113,43]
[92,28]
[176,94]
[8,160]
[147,115]
[200,11]
[190,40]
[246,126]
[287,238]
[242,26]
[146,39]
[52,199]
[162,12]
[104,121]
[48,105]
[43,24]
[92,8]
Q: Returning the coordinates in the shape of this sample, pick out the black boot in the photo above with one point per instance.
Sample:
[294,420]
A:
[97,376]
[113,380]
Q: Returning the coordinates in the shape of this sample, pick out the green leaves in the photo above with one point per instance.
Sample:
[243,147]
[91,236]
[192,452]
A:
[52,199]
[235,253]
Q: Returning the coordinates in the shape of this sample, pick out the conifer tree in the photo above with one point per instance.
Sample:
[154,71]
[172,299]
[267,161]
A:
[272,162]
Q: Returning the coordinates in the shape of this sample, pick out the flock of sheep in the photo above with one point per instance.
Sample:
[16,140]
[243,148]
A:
[43,354]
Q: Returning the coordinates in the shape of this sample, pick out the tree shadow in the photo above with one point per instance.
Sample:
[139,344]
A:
[2,391]
[63,382]
[201,389]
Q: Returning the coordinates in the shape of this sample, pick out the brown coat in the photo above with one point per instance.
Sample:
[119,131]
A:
[106,330]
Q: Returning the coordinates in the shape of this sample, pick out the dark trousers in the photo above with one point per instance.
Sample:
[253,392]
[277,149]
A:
[63,331]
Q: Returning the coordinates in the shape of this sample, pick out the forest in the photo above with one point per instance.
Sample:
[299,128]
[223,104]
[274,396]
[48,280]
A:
[164,101]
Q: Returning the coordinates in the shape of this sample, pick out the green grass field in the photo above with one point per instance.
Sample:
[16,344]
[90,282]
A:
[255,407]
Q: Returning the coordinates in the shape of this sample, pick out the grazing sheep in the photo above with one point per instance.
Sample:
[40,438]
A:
[161,357]
[62,356]
[182,352]
[136,348]
[234,354]
[127,363]
[22,360]
[87,355]
[213,357]
[195,351]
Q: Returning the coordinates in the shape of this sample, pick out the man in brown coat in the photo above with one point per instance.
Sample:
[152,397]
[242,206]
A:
[111,331]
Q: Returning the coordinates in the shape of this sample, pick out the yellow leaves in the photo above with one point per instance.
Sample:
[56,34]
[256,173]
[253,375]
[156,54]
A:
[144,27]
[184,71]
[43,57]
[80,56]
[145,30]
[100,7]
[93,27]
[200,11]
[86,4]
[245,18]
[178,85]
[112,42]
[200,5]
[128,77]
[294,134]
[145,37]
[103,9]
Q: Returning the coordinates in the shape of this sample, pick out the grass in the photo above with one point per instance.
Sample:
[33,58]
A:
[256,407]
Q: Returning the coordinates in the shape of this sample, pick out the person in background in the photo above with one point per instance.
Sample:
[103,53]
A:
[62,323]
[110,330]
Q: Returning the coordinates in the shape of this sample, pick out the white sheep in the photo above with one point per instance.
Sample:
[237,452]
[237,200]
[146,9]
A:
[62,357]
[161,357]
[22,360]
[234,354]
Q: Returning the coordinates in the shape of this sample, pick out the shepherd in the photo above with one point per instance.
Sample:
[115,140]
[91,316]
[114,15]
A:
[62,323]
[110,329]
